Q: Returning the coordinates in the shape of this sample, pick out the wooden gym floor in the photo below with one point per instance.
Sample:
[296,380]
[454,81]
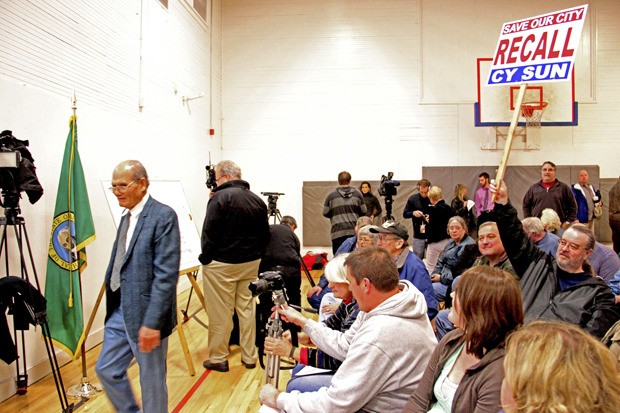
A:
[206,391]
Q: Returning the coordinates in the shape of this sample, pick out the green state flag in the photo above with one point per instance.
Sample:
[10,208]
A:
[72,230]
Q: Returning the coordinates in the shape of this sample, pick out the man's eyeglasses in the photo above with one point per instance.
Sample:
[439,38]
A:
[121,188]
[571,245]
[384,238]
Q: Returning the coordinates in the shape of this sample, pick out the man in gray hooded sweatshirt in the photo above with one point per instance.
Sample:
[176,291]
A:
[384,352]
[343,206]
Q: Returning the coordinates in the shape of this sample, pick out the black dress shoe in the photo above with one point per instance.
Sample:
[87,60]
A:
[222,366]
[248,365]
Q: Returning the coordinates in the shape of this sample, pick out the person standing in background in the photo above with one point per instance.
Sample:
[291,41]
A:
[439,213]
[587,198]
[614,215]
[417,209]
[483,200]
[550,193]
[343,206]
[373,206]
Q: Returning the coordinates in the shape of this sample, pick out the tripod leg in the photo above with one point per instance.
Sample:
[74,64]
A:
[60,388]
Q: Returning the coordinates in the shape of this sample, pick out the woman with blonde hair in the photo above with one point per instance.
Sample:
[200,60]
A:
[466,370]
[551,222]
[556,367]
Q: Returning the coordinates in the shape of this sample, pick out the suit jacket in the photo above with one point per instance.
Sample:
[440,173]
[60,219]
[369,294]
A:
[149,273]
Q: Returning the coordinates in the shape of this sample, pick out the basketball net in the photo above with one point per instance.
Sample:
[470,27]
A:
[532,112]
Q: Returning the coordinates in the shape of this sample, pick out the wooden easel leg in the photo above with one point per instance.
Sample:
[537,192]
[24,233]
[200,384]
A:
[192,279]
[183,341]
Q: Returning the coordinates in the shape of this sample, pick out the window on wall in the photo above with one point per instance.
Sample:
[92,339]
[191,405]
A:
[164,3]
[201,7]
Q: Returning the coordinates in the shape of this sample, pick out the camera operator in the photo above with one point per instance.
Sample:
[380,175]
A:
[234,237]
[282,254]
[342,320]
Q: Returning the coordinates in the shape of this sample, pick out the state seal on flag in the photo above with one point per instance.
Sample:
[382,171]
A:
[62,248]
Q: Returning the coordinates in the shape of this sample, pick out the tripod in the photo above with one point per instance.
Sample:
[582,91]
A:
[18,223]
[273,209]
[388,209]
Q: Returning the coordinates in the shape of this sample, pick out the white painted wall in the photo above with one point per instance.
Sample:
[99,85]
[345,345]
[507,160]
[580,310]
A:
[115,55]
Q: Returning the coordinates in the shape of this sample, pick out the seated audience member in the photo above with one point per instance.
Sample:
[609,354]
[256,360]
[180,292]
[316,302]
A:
[561,288]
[437,222]
[615,286]
[342,320]
[551,222]
[316,293]
[443,276]
[349,244]
[492,254]
[393,236]
[544,240]
[604,261]
[465,372]
[365,238]
[555,367]
[380,370]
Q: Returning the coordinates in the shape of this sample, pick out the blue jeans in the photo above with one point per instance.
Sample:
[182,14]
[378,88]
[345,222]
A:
[443,325]
[440,291]
[310,383]
[315,299]
[116,354]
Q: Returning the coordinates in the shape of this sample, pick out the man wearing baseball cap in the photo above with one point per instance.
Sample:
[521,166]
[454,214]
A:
[393,236]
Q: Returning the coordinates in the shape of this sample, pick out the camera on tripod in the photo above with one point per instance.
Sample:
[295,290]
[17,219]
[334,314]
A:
[388,185]
[211,183]
[272,198]
[17,174]
[267,281]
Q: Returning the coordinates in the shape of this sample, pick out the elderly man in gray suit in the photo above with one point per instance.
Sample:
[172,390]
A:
[140,284]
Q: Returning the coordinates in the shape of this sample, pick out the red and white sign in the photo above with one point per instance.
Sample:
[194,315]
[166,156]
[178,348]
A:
[538,49]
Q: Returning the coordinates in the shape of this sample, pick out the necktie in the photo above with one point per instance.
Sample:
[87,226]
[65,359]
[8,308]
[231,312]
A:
[485,207]
[115,280]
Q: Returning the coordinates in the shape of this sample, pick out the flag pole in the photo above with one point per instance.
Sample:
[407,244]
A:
[85,389]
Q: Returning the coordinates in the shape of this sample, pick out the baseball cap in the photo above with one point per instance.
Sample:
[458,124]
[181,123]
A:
[392,227]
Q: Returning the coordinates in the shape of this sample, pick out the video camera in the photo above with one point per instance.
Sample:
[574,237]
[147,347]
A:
[388,185]
[211,184]
[267,281]
[17,174]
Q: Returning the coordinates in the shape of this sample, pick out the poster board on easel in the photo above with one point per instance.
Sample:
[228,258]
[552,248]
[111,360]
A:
[170,193]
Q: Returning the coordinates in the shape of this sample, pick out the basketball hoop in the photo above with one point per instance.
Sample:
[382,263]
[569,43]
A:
[532,112]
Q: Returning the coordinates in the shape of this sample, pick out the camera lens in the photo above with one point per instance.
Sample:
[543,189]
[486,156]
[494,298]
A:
[258,287]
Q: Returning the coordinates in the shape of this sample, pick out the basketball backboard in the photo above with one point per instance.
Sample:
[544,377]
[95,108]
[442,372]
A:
[496,104]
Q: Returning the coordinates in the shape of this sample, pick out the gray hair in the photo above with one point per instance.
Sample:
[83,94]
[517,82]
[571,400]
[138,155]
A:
[458,219]
[365,230]
[138,171]
[583,229]
[229,168]
[363,221]
[533,225]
